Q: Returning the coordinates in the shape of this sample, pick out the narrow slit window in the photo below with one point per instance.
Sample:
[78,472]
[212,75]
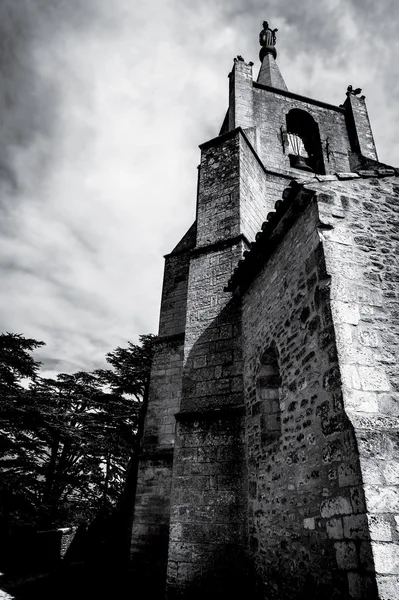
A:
[268,395]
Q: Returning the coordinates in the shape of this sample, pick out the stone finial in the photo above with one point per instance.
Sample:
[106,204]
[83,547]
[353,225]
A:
[355,92]
[267,39]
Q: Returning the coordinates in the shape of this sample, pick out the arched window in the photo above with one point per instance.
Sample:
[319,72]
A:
[304,147]
[268,395]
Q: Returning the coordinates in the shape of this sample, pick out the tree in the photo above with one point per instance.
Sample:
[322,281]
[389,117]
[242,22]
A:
[67,441]
[131,376]
[16,363]
[17,418]
[131,367]
[88,433]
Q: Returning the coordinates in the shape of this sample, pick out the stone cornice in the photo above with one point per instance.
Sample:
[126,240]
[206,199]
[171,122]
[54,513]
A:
[288,94]
[221,245]
[161,454]
[229,412]
[170,339]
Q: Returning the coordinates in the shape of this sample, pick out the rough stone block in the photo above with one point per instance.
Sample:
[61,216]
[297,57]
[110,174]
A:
[326,177]
[175,531]
[391,473]
[346,555]
[373,379]
[368,337]
[356,527]
[335,506]
[388,587]
[361,401]
[386,558]
[388,404]
[366,556]
[336,236]
[345,176]
[309,523]
[355,586]
[335,529]
[357,499]
[382,499]
[350,377]
[379,528]
[349,474]
[345,312]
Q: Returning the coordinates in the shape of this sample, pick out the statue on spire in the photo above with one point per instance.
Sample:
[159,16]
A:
[267,39]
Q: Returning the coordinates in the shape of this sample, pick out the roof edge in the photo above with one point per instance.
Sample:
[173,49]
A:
[295,199]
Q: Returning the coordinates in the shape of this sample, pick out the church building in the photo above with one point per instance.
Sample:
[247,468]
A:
[269,465]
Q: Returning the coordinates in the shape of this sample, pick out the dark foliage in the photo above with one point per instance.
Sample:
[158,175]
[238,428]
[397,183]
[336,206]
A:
[65,443]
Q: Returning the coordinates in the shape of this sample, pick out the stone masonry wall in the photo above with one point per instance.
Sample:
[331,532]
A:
[150,530]
[359,127]
[307,522]
[207,521]
[275,187]
[207,550]
[270,110]
[240,112]
[233,201]
[256,192]
[218,201]
[174,295]
[361,242]
[174,291]
[164,396]
[212,375]
[208,533]
[219,246]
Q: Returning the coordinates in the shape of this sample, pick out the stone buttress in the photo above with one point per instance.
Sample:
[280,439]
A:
[269,462]
[150,531]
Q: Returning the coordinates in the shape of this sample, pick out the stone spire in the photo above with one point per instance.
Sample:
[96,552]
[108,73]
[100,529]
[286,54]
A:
[269,73]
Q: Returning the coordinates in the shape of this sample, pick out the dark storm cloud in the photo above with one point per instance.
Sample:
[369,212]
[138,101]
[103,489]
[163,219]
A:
[28,101]
[56,365]
[378,17]
[64,158]
[326,29]
[20,102]
[309,25]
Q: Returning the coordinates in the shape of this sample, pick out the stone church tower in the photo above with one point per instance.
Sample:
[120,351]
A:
[270,457]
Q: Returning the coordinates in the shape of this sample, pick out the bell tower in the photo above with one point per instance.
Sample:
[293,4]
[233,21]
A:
[274,369]
[289,131]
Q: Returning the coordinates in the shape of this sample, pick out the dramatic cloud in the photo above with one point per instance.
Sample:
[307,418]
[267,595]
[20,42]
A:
[103,105]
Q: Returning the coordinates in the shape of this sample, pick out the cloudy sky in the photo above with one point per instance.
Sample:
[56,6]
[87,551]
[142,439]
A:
[102,107]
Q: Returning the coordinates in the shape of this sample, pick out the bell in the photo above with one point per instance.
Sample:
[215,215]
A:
[299,162]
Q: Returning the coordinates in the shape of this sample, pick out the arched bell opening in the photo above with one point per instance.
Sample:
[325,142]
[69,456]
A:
[304,144]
